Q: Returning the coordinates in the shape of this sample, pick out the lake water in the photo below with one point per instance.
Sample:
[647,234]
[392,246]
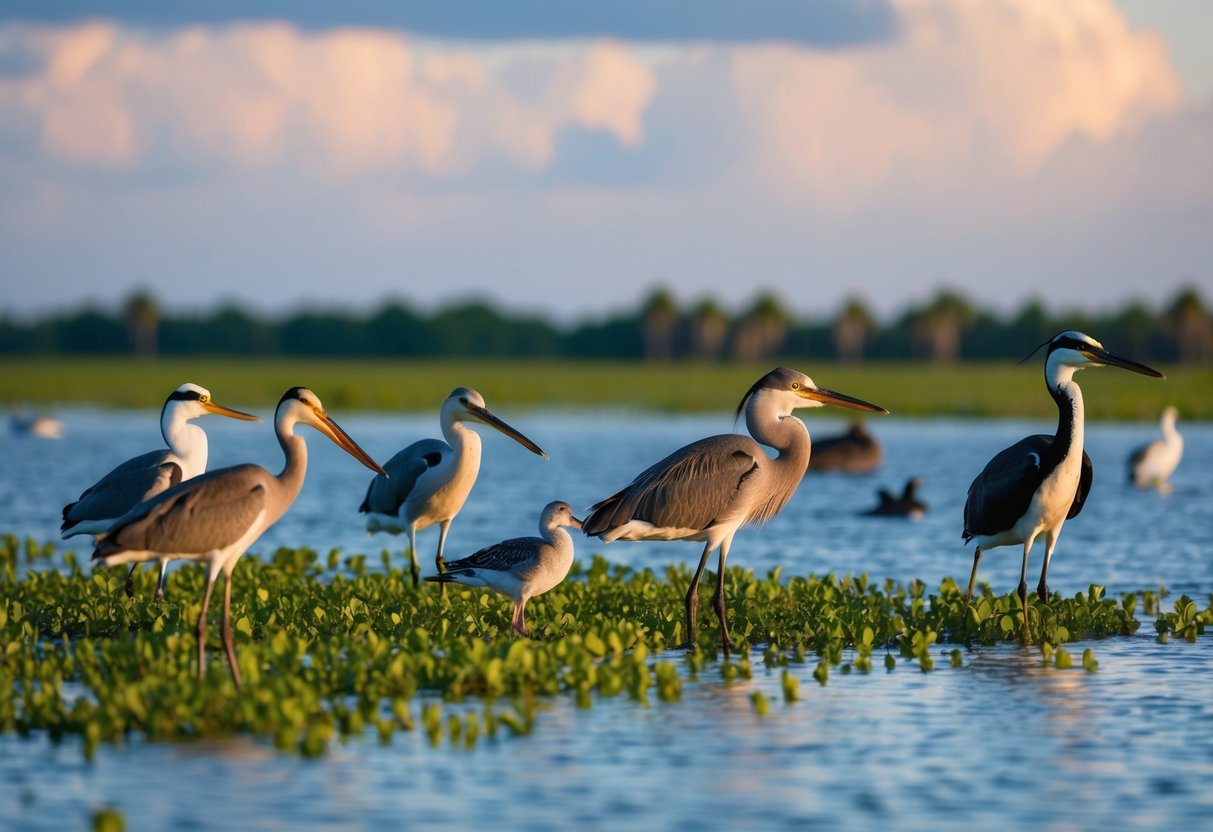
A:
[1001,741]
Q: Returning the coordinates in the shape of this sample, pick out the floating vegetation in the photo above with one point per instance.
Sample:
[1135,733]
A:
[331,649]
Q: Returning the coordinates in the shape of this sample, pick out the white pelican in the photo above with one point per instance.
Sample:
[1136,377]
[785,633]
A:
[428,482]
[1151,464]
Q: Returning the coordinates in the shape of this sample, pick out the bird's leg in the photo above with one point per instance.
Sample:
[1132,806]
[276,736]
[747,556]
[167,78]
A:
[518,623]
[973,576]
[416,567]
[206,603]
[1023,589]
[693,597]
[443,528]
[130,580]
[718,599]
[160,582]
[226,628]
[1042,588]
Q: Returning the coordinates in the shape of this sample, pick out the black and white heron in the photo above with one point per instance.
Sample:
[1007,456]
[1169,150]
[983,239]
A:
[709,489]
[907,505]
[147,475]
[522,567]
[1034,486]
[428,482]
[215,517]
[1152,464]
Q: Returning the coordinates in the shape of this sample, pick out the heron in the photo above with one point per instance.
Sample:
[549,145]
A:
[709,489]
[907,505]
[854,452]
[147,475]
[1151,464]
[522,567]
[428,482]
[215,517]
[1034,486]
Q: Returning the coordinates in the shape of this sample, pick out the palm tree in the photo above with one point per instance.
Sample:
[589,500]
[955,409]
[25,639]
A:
[709,328]
[761,330]
[660,315]
[1191,326]
[142,323]
[938,327]
[851,329]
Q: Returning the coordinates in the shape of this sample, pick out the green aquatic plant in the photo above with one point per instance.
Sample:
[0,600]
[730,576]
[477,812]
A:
[331,649]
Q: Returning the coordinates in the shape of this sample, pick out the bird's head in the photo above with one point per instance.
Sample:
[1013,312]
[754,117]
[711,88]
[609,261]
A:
[466,405]
[785,390]
[193,401]
[299,405]
[1072,350]
[559,513]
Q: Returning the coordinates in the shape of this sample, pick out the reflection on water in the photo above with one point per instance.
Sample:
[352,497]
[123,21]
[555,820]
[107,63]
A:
[1002,741]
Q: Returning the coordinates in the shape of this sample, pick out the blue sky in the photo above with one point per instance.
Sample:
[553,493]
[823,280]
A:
[568,157]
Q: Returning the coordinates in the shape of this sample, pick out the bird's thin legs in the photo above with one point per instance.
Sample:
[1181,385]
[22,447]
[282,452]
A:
[518,623]
[973,576]
[718,599]
[1042,588]
[130,580]
[415,567]
[160,581]
[206,603]
[693,596]
[443,528]
[225,629]
[1023,589]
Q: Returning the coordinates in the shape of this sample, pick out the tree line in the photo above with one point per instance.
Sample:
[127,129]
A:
[947,328]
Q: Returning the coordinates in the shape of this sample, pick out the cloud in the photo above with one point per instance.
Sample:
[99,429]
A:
[830,23]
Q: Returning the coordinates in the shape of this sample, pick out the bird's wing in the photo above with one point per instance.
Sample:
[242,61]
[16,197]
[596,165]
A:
[385,495]
[500,557]
[1139,456]
[200,515]
[1086,476]
[123,488]
[689,489]
[1001,492]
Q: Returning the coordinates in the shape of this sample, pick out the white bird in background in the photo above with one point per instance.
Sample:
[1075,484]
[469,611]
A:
[428,482]
[214,518]
[1152,464]
[1034,486]
[149,474]
[709,489]
[522,567]
[37,425]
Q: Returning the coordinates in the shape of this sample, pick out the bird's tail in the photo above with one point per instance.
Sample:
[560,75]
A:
[443,578]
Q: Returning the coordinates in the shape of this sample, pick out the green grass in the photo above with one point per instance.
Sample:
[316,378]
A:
[910,389]
[330,648]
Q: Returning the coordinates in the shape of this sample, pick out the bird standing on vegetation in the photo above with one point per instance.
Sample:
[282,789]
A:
[214,518]
[1034,486]
[522,567]
[149,474]
[1151,464]
[907,505]
[709,489]
[428,482]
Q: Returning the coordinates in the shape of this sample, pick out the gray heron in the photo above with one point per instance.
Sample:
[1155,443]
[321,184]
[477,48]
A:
[522,567]
[215,517]
[709,489]
[147,475]
[1034,486]
[428,482]
[1151,464]
[854,452]
[907,505]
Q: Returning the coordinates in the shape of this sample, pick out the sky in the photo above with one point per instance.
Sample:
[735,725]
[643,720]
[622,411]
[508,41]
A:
[566,158]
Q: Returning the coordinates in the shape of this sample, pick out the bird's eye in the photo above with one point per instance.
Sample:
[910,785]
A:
[463,400]
[795,385]
[204,399]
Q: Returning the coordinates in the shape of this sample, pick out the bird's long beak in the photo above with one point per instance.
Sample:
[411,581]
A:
[484,415]
[220,410]
[1111,359]
[325,424]
[821,394]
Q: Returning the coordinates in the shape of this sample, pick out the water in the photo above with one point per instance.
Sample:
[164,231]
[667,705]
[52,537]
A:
[1000,741]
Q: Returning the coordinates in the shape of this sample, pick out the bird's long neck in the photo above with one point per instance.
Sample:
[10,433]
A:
[1068,396]
[294,449]
[186,440]
[465,444]
[789,436]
